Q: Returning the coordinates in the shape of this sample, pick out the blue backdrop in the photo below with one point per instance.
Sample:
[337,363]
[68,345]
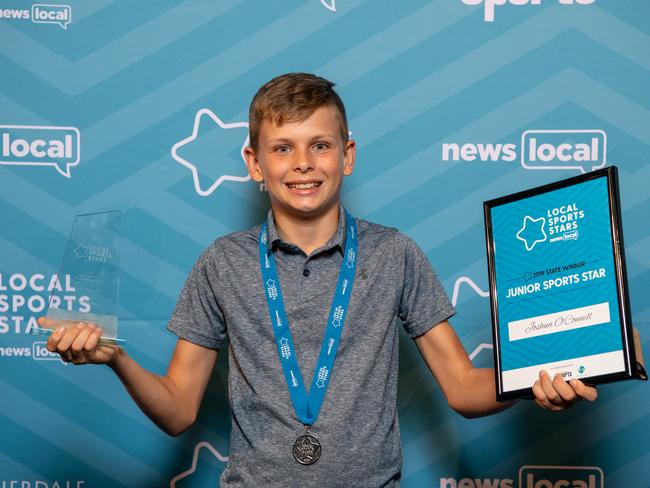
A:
[142,106]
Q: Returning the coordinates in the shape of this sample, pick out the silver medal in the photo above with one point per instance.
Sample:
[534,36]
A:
[306,450]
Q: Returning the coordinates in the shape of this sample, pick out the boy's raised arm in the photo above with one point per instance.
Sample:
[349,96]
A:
[472,392]
[469,391]
[171,401]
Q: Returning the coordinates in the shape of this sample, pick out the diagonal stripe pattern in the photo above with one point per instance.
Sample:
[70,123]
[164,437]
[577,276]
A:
[414,74]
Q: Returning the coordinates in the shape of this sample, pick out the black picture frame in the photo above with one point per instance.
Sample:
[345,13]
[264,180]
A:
[633,369]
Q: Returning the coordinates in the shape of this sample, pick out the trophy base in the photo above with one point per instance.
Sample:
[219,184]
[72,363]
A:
[107,341]
[70,318]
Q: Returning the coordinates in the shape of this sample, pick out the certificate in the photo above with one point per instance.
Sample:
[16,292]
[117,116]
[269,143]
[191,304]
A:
[558,286]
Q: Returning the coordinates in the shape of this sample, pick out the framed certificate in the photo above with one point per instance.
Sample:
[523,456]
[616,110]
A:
[558,285]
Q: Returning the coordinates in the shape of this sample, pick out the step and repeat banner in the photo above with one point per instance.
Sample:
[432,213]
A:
[142,107]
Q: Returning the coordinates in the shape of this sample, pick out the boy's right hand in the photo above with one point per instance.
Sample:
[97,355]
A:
[78,344]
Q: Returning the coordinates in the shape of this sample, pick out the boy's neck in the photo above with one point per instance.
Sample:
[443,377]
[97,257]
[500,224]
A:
[307,233]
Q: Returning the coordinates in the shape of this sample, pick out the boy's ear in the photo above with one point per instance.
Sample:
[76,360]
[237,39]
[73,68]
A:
[349,155]
[253,165]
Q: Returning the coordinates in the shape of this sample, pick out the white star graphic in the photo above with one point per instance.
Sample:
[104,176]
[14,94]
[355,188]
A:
[527,218]
[329,4]
[195,461]
[193,137]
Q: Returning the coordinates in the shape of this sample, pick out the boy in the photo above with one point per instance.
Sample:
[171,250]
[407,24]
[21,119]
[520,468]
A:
[309,287]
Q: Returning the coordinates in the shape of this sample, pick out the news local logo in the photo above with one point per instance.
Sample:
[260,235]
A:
[41,13]
[537,477]
[581,150]
[561,477]
[37,352]
[33,145]
[41,353]
[489,6]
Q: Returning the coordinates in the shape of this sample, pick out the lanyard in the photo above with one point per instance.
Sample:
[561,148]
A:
[306,406]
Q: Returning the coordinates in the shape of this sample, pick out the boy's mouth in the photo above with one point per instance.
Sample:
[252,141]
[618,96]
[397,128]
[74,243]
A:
[304,186]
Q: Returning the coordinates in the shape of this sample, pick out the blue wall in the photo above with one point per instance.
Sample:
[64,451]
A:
[146,92]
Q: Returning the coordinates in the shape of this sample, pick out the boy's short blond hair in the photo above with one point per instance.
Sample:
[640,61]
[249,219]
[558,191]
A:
[293,97]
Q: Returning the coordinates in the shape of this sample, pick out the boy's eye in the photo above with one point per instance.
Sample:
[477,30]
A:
[282,149]
[321,146]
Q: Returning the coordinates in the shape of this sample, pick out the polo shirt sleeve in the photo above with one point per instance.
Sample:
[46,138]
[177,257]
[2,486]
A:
[198,318]
[424,302]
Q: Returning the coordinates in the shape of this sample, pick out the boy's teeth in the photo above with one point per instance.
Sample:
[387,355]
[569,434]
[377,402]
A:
[304,186]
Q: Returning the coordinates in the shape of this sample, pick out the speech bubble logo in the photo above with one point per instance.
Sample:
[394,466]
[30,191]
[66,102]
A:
[591,476]
[35,145]
[582,149]
[44,13]
[41,353]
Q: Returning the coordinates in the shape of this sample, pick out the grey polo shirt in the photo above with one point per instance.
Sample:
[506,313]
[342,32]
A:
[358,426]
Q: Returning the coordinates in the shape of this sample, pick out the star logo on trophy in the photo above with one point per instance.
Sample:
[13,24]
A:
[532,232]
[81,251]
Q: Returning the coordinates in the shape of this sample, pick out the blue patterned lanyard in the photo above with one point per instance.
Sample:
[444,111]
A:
[308,406]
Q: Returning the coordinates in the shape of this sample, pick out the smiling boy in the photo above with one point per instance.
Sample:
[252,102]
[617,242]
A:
[310,303]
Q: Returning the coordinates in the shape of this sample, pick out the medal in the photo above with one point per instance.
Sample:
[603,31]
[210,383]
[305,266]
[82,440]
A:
[307,449]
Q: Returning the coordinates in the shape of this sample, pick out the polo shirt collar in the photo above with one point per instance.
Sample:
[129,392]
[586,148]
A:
[337,240]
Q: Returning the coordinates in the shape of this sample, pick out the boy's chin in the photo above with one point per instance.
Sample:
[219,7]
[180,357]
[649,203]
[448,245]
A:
[307,209]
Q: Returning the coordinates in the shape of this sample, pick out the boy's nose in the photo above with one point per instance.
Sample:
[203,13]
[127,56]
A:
[303,162]
[304,166]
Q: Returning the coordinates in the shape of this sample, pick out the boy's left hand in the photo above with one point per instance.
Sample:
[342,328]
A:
[557,394]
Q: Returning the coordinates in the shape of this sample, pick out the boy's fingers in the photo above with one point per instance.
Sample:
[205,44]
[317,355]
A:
[54,339]
[567,393]
[49,323]
[43,322]
[80,341]
[65,355]
[540,396]
[583,391]
[547,385]
[68,338]
[93,339]
[557,394]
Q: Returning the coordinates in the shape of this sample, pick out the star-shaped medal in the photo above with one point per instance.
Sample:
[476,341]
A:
[306,449]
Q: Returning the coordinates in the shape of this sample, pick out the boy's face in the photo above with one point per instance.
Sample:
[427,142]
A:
[302,163]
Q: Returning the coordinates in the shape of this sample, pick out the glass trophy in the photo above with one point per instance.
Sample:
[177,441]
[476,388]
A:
[89,277]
